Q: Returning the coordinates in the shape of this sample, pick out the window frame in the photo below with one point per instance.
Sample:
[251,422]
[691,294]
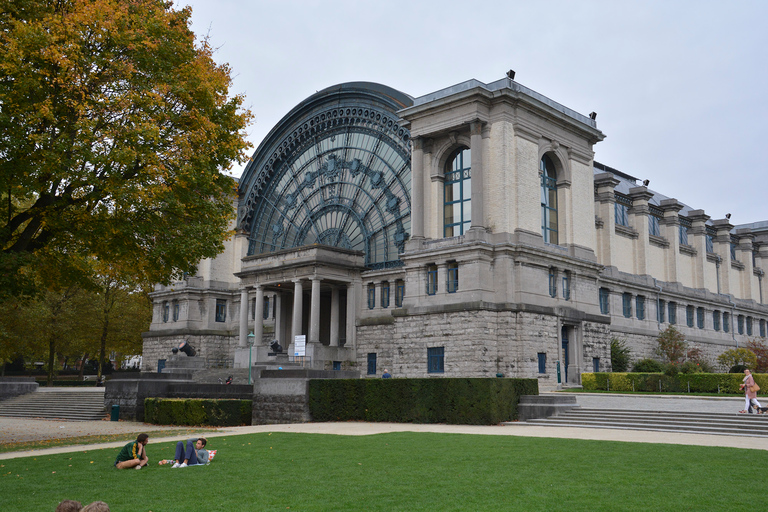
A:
[371,295]
[385,294]
[221,310]
[452,277]
[371,370]
[640,307]
[431,279]
[626,304]
[548,196]
[689,315]
[604,295]
[700,315]
[672,312]
[660,310]
[460,173]
[716,319]
[435,359]
[175,311]
[399,292]
[542,360]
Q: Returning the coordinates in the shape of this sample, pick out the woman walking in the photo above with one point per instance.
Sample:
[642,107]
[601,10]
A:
[750,392]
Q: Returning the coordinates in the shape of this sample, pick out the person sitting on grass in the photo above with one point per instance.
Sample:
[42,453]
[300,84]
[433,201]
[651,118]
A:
[195,453]
[133,454]
[69,506]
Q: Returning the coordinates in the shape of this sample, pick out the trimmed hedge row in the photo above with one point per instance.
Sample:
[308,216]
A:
[699,382]
[452,401]
[197,411]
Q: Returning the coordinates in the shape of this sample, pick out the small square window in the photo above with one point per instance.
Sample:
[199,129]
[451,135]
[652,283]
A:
[221,310]
[435,360]
[372,363]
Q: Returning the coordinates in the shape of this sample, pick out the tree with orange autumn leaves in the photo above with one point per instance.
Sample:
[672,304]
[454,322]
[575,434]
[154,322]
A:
[115,127]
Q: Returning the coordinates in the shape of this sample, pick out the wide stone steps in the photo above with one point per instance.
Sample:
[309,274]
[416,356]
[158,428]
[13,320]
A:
[65,404]
[735,424]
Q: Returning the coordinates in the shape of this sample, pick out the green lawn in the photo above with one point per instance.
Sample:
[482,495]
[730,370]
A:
[400,471]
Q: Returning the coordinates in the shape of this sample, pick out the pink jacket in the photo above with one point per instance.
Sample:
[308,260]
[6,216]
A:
[748,384]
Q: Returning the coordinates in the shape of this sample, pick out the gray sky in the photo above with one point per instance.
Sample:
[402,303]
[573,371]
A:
[679,86]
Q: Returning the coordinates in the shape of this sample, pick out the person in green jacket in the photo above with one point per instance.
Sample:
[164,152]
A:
[133,454]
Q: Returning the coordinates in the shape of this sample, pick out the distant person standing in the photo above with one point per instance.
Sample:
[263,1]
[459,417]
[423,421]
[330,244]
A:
[386,374]
[750,392]
[133,454]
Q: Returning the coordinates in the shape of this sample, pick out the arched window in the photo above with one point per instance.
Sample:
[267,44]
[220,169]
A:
[457,195]
[548,200]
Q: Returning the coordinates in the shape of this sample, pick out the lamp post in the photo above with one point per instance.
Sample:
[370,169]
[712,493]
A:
[251,339]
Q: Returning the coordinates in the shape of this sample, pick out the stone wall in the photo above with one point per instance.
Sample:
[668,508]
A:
[16,386]
[282,400]
[216,349]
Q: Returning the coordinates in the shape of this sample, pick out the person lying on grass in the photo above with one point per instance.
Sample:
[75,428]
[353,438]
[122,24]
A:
[133,454]
[195,453]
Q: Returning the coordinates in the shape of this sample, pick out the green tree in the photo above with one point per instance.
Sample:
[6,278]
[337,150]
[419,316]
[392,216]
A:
[737,356]
[115,125]
[671,345]
[620,355]
[760,349]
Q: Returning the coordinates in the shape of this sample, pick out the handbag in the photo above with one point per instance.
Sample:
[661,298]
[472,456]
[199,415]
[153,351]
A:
[754,388]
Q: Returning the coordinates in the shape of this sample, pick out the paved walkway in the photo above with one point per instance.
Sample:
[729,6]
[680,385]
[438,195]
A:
[14,429]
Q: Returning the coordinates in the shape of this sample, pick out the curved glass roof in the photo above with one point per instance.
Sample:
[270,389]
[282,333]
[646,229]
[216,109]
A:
[335,171]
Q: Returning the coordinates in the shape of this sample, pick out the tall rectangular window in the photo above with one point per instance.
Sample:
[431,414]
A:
[733,251]
[709,242]
[542,362]
[548,200]
[371,296]
[166,311]
[371,363]
[762,328]
[716,320]
[595,364]
[604,304]
[749,326]
[567,286]
[265,313]
[660,316]
[683,235]
[452,283]
[653,226]
[176,310]
[221,310]
[431,279]
[640,307]
[435,360]
[740,320]
[552,282]
[700,318]
[457,194]
[626,300]
[689,316]
[385,294]
[672,310]
[726,322]
[621,214]
[399,293]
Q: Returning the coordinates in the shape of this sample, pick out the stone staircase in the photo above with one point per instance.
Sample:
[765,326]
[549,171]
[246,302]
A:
[74,404]
[732,424]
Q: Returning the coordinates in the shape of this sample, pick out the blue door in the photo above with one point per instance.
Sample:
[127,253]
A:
[564,336]
[160,365]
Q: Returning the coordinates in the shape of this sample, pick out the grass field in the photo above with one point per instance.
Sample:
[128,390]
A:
[400,471]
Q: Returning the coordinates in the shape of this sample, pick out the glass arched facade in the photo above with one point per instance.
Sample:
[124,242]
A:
[336,171]
[457,194]
[548,200]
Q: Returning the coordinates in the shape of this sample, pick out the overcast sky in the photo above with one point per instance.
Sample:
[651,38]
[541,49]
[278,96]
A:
[679,86]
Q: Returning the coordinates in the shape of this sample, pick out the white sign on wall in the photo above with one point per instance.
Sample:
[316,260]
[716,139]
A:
[300,345]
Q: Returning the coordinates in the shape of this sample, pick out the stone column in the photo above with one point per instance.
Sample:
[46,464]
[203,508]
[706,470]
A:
[258,321]
[298,291]
[744,255]
[351,311]
[639,213]
[314,311]
[279,318]
[722,246]
[697,237]
[334,316]
[476,145]
[605,196]
[417,188]
[670,229]
[242,341]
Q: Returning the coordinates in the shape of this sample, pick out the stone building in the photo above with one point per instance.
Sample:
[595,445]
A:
[467,232]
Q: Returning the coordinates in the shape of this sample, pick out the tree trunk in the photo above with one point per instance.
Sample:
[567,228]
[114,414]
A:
[82,365]
[51,357]
[103,348]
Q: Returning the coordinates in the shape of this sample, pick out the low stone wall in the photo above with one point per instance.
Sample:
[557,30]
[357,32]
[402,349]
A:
[16,386]
[284,400]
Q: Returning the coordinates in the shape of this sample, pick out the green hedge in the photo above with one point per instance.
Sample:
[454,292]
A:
[197,411]
[699,382]
[452,401]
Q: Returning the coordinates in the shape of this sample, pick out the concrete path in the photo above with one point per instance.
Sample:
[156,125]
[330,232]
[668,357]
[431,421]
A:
[14,428]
